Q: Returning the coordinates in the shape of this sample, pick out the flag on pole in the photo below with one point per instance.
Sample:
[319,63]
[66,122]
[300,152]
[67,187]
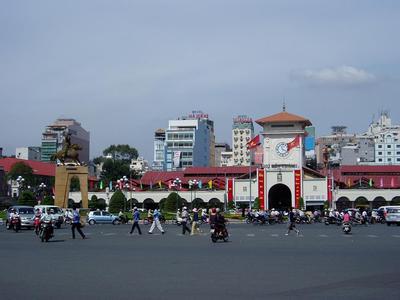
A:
[101,184]
[392,183]
[254,142]
[348,182]
[200,184]
[159,184]
[370,182]
[381,183]
[151,185]
[210,184]
[170,184]
[293,144]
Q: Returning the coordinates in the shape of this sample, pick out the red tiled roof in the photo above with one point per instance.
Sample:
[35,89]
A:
[385,177]
[283,117]
[38,167]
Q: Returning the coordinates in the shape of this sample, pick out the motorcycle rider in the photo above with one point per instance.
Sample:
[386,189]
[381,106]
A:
[220,221]
[37,218]
[213,217]
[48,218]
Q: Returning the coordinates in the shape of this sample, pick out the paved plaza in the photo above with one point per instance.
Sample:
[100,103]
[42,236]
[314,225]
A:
[258,262]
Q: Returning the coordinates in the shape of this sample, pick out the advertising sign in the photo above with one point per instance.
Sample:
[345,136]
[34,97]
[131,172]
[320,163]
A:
[230,189]
[261,188]
[297,187]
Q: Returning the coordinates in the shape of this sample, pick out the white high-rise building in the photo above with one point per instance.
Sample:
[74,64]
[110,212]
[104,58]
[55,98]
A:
[242,133]
[190,141]
[387,144]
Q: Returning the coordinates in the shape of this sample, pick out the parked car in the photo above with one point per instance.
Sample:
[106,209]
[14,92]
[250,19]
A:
[393,216]
[102,217]
[26,214]
[58,215]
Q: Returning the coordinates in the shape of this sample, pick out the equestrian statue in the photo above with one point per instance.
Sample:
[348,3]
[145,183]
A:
[69,153]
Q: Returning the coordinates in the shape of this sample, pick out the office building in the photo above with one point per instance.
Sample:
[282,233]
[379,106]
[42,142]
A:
[190,141]
[242,133]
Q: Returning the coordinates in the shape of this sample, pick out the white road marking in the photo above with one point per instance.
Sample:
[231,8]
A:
[109,234]
[323,235]
[251,235]
[275,235]
[396,236]
[372,236]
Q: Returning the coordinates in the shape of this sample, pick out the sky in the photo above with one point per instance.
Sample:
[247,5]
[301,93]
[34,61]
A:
[123,68]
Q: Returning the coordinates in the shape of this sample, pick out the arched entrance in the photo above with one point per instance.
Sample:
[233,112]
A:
[279,197]
[342,203]
[361,202]
[378,202]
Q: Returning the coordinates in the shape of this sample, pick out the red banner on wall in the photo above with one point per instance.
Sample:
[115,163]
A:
[230,189]
[329,191]
[297,187]
[261,188]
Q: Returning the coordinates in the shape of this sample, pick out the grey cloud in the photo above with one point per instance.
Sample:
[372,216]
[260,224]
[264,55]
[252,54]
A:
[336,76]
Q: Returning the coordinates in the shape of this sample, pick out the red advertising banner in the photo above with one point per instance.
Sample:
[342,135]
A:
[297,187]
[230,189]
[329,191]
[261,188]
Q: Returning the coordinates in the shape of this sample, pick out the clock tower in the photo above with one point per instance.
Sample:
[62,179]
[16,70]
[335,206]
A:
[284,159]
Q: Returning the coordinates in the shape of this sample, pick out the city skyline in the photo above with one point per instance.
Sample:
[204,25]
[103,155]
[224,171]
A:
[123,69]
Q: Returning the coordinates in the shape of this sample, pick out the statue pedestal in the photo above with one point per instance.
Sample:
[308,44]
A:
[64,174]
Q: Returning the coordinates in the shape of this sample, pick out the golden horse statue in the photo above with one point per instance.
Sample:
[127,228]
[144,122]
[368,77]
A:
[69,153]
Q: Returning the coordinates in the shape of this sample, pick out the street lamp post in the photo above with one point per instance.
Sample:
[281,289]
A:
[177,183]
[41,190]
[123,185]
[20,181]
[192,185]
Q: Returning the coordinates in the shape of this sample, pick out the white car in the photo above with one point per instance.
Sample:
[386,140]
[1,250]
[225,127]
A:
[58,215]
[393,216]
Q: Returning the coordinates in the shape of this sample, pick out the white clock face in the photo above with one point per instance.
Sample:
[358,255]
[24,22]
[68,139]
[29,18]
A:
[282,149]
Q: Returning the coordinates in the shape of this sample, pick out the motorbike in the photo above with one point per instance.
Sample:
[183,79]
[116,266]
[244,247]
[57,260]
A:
[36,224]
[346,227]
[219,233]
[15,223]
[46,231]
[333,220]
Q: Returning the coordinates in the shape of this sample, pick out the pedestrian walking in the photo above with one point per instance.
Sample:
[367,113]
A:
[292,222]
[195,223]
[156,222]
[76,223]
[136,219]
[185,220]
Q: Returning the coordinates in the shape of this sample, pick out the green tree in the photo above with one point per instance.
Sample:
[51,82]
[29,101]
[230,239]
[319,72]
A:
[116,162]
[121,152]
[27,198]
[24,170]
[114,170]
[231,205]
[256,204]
[302,203]
[173,202]
[101,204]
[117,202]
[75,184]
[93,203]
[48,200]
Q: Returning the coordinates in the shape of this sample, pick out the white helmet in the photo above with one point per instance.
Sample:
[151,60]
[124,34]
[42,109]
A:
[184,208]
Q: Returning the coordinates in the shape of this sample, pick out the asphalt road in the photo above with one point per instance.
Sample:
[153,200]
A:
[258,262]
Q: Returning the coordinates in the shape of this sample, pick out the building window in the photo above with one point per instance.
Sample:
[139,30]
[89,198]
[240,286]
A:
[389,160]
[380,146]
[389,153]
[245,189]
[389,146]
[379,153]
[380,160]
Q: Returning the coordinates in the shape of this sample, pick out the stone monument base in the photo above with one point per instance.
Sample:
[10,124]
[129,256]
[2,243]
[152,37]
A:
[64,174]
